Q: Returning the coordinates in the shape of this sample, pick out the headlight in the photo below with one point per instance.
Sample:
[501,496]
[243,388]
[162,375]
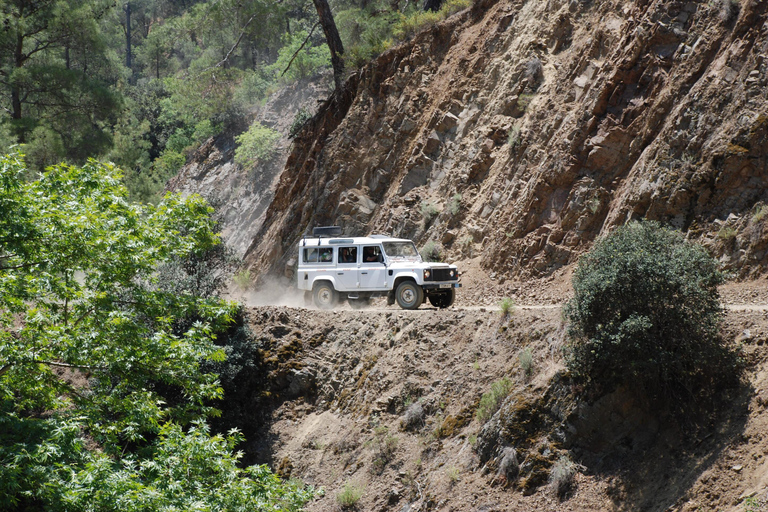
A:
[426,274]
[453,273]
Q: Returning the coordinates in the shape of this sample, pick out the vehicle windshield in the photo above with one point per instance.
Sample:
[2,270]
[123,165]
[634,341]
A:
[402,251]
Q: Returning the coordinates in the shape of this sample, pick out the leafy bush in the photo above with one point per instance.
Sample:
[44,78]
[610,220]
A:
[302,116]
[429,211]
[561,476]
[349,496]
[454,206]
[490,401]
[431,252]
[257,144]
[646,314]
[525,356]
[506,306]
[309,60]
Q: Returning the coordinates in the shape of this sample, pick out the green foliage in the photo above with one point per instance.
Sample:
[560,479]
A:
[431,252]
[726,233]
[506,306]
[561,476]
[454,205]
[490,401]
[308,61]
[44,148]
[384,446]
[243,280]
[408,25]
[760,212]
[349,496]
[429,211]
[513,138]
[646,314]
[257,144]
[103,337]
[302,116]
[525,357]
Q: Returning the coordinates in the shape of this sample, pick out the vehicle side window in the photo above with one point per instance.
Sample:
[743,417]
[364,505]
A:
[310,255]
[318,255]
[372,254]
[326,255]
[348,255]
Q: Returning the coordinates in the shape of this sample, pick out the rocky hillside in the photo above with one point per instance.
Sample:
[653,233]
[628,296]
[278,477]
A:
[387,405]
[518,131]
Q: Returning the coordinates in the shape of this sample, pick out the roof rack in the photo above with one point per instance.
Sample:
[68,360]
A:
[326,231]
[379,236]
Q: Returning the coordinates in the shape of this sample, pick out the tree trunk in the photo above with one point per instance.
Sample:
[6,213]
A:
[128,36]
[15,92]
[333,40]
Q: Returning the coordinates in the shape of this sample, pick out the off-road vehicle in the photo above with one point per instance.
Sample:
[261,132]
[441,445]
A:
[332,267]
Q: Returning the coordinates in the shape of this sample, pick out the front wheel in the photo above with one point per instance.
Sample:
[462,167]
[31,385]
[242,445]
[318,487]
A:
[409,295]
[443,299]
[325,295]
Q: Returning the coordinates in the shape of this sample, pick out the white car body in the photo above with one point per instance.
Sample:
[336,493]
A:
[358,268]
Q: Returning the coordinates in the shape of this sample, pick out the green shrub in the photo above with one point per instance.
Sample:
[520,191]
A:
[506,306]
[429,211]
[431,252]
[349,496]
[454,205]
[726,233]
[257,144]
[490,401]
[513,137]
[646,314]
[302,116]
[561,476]
[525,356]
[760,212]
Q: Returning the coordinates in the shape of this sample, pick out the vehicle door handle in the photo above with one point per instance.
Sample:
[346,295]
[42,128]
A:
[340,273]
[363,272]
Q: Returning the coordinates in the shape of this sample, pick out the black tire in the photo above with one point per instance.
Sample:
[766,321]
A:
[390,298]
[409,295]
[325,295]
[443,299]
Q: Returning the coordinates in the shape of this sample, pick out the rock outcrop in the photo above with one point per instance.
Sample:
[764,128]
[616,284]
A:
[534,127]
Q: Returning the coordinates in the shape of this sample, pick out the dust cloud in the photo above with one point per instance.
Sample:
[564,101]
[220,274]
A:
[275,292]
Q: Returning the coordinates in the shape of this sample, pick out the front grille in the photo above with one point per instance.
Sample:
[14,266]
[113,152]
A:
[442,274]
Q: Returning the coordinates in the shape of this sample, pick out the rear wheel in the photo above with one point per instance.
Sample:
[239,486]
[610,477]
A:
[443,299]
[325,295]
[409,295]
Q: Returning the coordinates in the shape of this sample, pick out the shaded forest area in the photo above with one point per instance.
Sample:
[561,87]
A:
[143,83]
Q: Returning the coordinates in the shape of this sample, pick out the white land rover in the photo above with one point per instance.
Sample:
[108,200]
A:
[333,268]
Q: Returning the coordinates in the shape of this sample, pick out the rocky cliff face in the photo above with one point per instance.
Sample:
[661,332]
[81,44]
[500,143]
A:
[520,131]
[241,196]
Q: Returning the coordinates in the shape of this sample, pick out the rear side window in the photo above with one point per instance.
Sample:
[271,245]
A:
[318,255]
[348,255]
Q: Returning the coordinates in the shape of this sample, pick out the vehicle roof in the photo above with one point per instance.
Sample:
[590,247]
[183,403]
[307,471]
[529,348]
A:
[348,240]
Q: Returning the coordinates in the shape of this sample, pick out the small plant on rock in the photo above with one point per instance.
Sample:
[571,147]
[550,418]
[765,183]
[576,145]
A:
[429,211]
[525,356]
[349,496]
[506,306]
[431,252]
[454,206]
[561,476]
[490,401]
[384,446]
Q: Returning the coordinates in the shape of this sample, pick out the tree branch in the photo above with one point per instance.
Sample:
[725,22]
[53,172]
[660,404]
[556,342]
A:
[234,47]
[300,48]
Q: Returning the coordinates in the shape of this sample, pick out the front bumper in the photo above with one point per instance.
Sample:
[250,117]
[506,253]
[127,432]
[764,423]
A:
[437,286]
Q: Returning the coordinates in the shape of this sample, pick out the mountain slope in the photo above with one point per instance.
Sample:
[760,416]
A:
[520,131]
